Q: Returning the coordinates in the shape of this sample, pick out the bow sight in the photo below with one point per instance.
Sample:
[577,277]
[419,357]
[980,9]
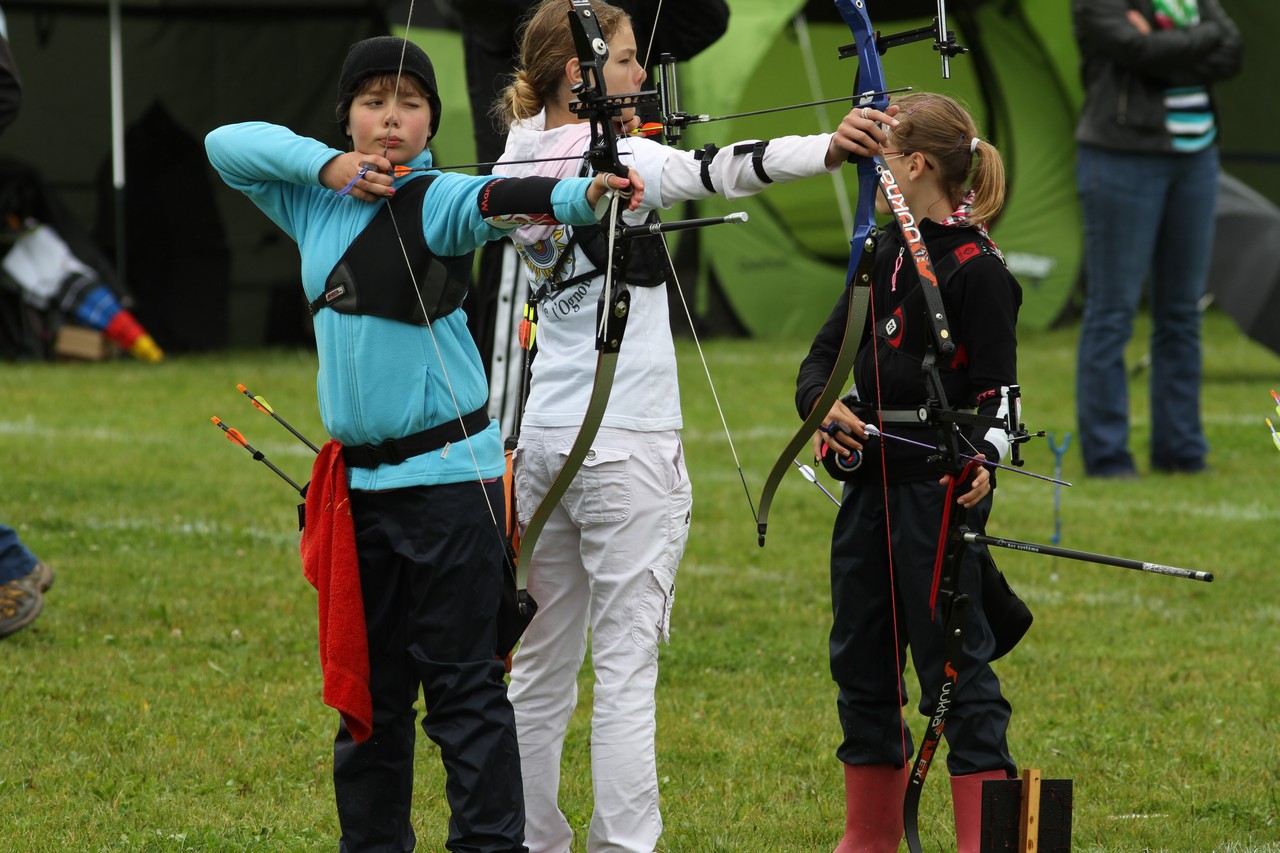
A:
[593,102]
[944,41]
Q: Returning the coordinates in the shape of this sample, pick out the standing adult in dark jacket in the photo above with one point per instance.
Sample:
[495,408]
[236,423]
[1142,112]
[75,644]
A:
[1148,175]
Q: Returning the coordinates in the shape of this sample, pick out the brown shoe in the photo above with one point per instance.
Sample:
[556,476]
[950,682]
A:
[20,604]
[41,576]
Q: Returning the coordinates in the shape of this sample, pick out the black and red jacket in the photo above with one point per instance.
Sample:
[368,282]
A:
[981,298]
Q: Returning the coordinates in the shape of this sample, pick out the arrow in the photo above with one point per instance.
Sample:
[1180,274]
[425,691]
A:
[1086,556]
[401,171]
[263,406]
[235,437]
[835,427]
[807,472]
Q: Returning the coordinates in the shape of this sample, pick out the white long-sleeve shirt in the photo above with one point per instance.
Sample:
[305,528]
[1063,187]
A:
[646,393]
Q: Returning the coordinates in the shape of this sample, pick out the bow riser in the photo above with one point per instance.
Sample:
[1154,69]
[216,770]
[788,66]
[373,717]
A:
[594,104]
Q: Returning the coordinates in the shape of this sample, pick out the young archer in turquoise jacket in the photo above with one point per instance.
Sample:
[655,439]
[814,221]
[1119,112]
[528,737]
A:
[380,378]
[426,539]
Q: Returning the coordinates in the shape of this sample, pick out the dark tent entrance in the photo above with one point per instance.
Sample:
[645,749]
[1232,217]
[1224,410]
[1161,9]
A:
[202,266]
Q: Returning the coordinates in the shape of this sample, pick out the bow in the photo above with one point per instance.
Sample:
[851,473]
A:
[516,608]
[869,92]
[873,172]
[596,105]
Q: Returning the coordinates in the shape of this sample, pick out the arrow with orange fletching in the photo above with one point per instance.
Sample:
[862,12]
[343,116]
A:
[401,171]
[652,128]
[235,437]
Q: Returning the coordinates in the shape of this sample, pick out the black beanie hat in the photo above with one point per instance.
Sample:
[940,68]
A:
[383,55]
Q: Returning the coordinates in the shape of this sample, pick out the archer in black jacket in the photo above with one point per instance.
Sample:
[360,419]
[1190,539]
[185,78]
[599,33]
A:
[981,299]
[886,537]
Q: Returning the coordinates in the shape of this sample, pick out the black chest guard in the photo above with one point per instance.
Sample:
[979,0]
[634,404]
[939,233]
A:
[372,277]
[647,264]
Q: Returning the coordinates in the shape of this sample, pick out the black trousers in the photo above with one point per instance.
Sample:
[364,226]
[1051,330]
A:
[868,658]
[430,572]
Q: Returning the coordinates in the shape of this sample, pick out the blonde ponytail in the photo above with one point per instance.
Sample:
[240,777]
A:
[988,183]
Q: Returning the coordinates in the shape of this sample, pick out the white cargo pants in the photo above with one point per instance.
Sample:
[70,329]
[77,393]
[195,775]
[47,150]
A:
[606,560]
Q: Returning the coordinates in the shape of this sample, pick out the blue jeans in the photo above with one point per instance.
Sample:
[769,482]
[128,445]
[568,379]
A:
[1144,215]
[16,561]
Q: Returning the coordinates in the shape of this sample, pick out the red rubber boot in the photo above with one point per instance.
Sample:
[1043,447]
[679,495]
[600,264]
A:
[966,802]
[873,808]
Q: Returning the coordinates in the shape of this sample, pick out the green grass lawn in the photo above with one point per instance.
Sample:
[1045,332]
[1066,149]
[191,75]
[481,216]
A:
[169,697]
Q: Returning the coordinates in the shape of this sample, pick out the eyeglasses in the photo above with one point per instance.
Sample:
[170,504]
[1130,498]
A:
[889,155]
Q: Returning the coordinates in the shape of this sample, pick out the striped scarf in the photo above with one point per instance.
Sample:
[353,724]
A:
[1188,112]
[1178,14]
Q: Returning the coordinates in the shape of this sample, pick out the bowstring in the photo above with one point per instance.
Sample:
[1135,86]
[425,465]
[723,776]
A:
[413,277]
[888,527]
[675,278]
[706,368]
[648,51]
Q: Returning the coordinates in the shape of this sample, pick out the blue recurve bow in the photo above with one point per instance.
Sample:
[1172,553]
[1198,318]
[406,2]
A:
[874,175]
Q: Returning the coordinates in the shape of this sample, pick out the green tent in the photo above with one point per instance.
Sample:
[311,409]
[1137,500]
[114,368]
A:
[782,272]
[205,62]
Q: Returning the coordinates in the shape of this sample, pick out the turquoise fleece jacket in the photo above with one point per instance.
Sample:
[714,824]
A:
[379,378]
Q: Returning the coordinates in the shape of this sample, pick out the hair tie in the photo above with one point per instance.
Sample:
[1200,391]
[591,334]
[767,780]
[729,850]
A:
[973,144]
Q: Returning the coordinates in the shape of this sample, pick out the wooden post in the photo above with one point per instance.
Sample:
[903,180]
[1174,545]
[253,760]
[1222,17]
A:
[1026,814]
[1029,825]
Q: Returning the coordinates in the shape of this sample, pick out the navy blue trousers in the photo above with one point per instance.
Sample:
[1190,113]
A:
[430,572]
[867,655]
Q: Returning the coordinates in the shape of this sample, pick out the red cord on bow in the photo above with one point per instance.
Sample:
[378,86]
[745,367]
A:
[946,522]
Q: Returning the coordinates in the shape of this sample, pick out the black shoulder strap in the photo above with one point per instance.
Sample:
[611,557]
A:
[373,278]
[891,326]
[946,266]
